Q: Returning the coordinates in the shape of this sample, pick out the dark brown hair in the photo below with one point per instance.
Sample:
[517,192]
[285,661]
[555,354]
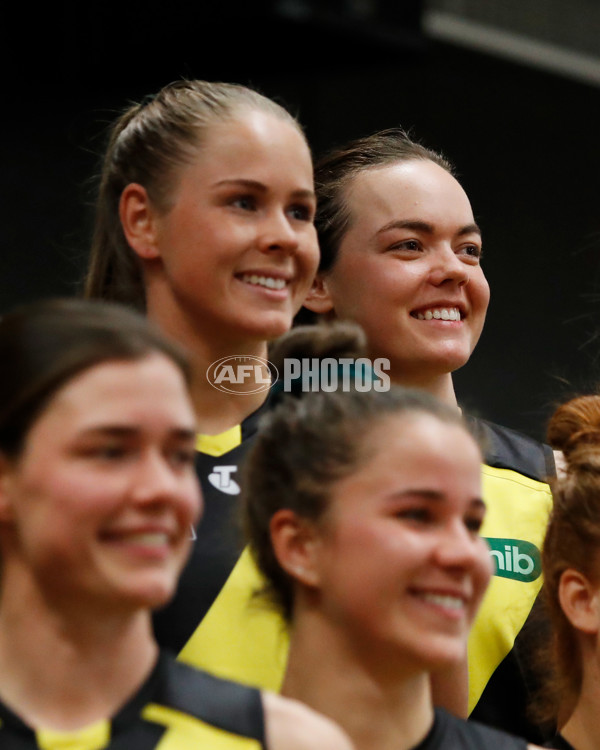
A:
[45,344]
[309,441]
[148,144]
[336,170]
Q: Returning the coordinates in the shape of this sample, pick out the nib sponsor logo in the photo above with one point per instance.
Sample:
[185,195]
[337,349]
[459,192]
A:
[515,559]
[220,478]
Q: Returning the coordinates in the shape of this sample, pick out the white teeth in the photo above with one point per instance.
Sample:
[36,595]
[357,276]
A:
[266,281]
[442,313]
[444,600]
[156,539]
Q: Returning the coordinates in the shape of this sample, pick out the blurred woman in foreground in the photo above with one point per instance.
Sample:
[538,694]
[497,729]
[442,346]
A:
[97,496]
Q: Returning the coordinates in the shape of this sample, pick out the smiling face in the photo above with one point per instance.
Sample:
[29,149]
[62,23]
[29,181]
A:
[98,507]
[408,269]
[401,566]
[238,249]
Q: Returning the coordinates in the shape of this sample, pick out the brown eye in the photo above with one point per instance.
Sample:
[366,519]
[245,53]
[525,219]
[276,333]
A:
[183,457]
[474,524]
[301,212]
[472,251]
[410,245]
[245,202]
[419,515]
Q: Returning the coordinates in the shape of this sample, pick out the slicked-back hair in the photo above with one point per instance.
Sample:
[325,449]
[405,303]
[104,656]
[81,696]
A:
[337,169]
[148,145]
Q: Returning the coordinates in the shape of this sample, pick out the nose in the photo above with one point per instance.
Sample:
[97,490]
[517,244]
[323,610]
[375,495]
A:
[460,549]
[448,268]
[277,233]
[158,484]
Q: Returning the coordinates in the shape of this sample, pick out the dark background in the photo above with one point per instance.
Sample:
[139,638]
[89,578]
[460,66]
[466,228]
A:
[525,143]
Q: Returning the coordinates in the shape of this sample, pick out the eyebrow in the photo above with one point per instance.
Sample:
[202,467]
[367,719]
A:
[425,227]
[435,496]
[123,431]
[255,185]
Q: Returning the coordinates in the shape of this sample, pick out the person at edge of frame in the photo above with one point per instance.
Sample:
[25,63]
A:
[97,494]
[568,656]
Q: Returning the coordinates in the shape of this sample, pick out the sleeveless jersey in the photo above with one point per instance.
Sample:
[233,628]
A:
[451,733]
[217,541]
[177,708]
[237,637]
[518,499]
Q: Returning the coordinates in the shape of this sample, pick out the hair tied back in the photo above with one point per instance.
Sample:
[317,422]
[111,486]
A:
[148,99]
[575,430]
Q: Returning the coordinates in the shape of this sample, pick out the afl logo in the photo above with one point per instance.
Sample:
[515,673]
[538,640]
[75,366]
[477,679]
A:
[242,375]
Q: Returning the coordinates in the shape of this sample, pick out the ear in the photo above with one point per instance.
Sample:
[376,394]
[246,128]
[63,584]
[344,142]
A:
[138,221]
[579,600]
[294,542]
[318,298]
[6,508]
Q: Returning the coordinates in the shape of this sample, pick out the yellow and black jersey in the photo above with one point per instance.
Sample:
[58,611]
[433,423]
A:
[518,499]
[177,708]
[217,542]
[230,633]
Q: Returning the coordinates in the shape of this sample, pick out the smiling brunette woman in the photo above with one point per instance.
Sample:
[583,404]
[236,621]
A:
[97,495]
[363,512]
[401,256]
[205,221]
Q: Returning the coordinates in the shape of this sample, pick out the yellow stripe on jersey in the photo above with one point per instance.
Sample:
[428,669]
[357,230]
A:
[185,732]
[93,737]
[218,445]
[241,638]
[517,509]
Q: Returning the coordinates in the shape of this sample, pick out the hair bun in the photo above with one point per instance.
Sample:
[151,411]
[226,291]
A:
[574,429]
[335,339]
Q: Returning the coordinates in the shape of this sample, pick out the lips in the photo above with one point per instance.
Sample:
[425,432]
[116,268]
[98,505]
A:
[151,537]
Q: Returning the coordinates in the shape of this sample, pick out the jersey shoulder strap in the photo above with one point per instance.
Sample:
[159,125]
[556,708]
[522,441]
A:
[224,704]
[505,448]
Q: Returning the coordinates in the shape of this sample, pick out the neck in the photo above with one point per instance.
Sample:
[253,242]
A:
[381,706]
[47,653]
[583,726]
[440,386]
[216,410]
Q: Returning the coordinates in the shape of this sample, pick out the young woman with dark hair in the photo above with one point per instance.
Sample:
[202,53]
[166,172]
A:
[401,256]
[97,495]
[363,512]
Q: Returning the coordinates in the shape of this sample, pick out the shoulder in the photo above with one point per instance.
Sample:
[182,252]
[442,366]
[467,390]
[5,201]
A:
[209,700]
[505,448]
[290,725]
[461,734]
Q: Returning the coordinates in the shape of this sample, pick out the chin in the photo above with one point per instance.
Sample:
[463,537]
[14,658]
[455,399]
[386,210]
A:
[448,362]
[269,329]
[150,595]
[442,655]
